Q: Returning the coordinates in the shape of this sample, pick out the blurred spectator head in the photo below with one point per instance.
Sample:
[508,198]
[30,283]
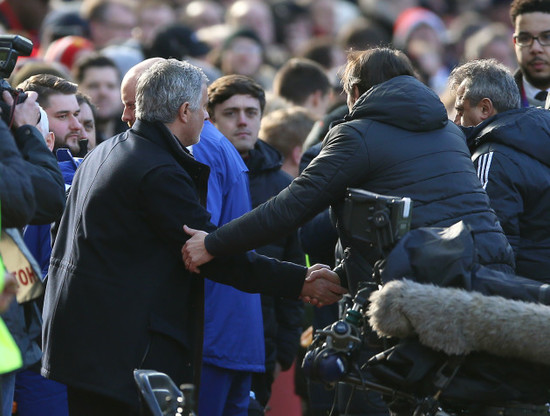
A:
[255,15]
[241,53]
[110,21]
[67,50]
[152,16]
[177,41]
[286,130]
[61,22]
[492,41]
[305,83]
[98,77]
[421,24]
[33,66]
[198,14]
[385,11]
[363,33]
[293,24]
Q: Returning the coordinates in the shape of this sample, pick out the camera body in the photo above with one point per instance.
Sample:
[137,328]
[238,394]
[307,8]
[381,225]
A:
[11,48]
[378,220]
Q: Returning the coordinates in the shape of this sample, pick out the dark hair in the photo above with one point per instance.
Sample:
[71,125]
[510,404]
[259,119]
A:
[528,6]
[92,60]
[227,86]
[297,79]
[366,69]
[46,85]
[83,98]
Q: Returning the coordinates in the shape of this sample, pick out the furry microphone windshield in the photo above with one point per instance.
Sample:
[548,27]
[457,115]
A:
[458,322]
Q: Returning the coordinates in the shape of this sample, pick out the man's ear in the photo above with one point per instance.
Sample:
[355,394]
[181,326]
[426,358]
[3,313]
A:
[356,94]
[486,108]
[183,112]
[50,140]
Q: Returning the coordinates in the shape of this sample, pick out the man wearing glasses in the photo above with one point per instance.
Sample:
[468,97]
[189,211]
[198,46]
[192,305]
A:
[531,20]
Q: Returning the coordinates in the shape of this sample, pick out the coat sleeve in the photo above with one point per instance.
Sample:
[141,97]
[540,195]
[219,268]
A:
[176,203]
[343,162]
[502,178]
[47,180]
[16,190]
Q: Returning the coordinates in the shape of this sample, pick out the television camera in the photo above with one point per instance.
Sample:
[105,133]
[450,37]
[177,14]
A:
[465,339]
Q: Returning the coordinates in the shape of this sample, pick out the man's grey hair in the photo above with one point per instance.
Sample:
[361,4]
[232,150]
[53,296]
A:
[163,88]
[487,78]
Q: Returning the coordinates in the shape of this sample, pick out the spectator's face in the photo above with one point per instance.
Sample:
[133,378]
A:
[63,111]
[466,114]
[116,27]
[534,60]
[151,20]
[238,118]
[86,118]
[102,84]
[243,57]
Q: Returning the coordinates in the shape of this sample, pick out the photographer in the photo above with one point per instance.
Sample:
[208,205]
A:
[31,192]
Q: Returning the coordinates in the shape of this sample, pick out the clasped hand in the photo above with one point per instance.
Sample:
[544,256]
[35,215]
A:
[321,286]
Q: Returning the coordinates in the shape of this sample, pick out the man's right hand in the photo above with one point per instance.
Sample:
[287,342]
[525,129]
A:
[322,286]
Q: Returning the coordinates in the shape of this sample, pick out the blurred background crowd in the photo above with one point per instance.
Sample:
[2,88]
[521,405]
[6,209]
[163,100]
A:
[255,37]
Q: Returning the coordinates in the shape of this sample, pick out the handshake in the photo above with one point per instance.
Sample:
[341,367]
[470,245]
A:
[321,285]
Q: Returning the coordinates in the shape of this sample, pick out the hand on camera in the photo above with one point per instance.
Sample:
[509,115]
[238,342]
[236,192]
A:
[26,112]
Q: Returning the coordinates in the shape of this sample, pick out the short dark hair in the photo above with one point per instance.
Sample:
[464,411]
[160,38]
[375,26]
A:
[92,60]
[298,78]
[528,6]
[46,85]
[227,86]
[83,98]
[366,69]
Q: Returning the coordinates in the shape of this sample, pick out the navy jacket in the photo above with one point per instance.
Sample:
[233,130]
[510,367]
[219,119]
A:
[282,318]
[397,140]
[511,152]
[118,295]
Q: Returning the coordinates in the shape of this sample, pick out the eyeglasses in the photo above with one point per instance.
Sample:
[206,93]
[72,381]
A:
[526,39]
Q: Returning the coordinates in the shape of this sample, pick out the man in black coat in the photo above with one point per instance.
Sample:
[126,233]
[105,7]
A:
[118,296]
[510,150]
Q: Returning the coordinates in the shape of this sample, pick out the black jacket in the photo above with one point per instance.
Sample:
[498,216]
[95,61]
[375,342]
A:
[118,296]
[511,152]
[397,140]
[282,317]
